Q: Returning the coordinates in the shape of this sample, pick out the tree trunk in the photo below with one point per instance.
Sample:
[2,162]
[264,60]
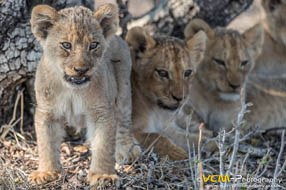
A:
[20,52]
[171,16]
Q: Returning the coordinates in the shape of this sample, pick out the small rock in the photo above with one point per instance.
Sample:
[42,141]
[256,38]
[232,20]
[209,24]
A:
[81,175]
[80,148]
[66,149]
[7,143]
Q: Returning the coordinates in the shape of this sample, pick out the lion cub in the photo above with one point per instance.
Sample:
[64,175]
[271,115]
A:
[229,58]
[83,79]
[162,73]
[216,89]
[272,61]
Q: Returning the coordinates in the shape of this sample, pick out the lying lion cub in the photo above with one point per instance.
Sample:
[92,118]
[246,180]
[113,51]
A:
[162,72]
[229,58]
[216,89]
[272,61]
[82,79]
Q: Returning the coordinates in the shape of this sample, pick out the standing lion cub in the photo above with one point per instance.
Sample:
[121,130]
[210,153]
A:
[82,80]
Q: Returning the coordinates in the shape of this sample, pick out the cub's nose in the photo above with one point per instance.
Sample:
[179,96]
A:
[178,98]
[233,86]
[80,70]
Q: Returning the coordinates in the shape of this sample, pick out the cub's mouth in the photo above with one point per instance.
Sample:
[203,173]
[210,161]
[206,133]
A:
[166,107]
[78,80]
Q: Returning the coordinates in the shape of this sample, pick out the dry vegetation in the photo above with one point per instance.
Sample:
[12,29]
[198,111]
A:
[254,155]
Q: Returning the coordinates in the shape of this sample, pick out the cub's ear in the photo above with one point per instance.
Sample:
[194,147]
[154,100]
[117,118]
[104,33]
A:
[42,20]
[255,37]
[197,46]
[139,40]
[271,5]
[195,26]
[107,16]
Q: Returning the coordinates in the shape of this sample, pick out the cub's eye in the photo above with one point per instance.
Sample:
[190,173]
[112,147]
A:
[244,63]
[188,73]
[219,62]
[93,45]
[163,73]
[66,45]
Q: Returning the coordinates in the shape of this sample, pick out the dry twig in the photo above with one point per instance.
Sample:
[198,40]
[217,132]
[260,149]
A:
[200,165]
[278,168]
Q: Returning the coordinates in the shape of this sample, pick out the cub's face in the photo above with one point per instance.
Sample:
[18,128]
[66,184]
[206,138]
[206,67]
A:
[227,62]
[74,39]
[229,58]
[163,67]
[276,19]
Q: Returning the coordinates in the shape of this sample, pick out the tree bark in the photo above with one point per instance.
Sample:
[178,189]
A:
[171,16]
[20,52]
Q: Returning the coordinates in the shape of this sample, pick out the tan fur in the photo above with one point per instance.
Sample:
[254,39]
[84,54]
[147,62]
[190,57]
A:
[156,99]
[268,96]
[253,15]
[266,87]
[215,93]
[272,60]
[100,104]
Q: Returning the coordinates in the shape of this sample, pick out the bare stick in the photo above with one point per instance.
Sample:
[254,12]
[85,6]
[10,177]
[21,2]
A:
[10,125]
[243,162]
[200,165]
[263,162]
[22,113]
[189,153]
[238,124]
[221,154]
[276,172]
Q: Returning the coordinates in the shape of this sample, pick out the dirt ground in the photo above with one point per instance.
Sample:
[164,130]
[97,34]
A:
[18,158]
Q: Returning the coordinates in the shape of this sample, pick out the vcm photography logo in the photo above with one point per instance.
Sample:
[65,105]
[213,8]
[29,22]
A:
[235,178]
[218,178]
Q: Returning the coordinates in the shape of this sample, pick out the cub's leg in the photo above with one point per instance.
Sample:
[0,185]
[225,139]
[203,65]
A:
[127,147]
[101,130]
[162,145]
[176,147]
[49,137]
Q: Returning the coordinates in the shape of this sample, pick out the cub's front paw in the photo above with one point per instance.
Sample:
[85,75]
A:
[177,153]
[41,177]
[102,180]
[127,152]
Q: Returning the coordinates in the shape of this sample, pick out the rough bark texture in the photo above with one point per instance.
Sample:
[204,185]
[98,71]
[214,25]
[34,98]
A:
[20,52]
[220,13]
[171,16]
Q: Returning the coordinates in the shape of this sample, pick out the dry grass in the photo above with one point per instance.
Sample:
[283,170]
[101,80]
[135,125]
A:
[17,160]
[261,156]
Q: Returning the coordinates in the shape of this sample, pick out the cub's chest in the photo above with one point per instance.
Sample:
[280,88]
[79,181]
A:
[222,117]
[71,107]
[159,120]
